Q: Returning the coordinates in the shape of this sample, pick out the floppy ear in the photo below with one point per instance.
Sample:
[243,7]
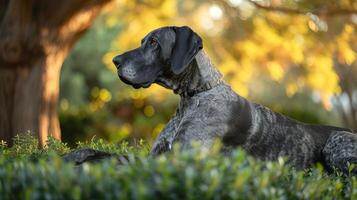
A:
[187,45]
[166,38]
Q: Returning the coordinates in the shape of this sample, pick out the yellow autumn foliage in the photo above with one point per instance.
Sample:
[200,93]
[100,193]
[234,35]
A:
[322,78]
[261,43]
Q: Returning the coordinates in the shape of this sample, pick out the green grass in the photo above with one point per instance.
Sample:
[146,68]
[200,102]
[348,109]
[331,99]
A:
[29,173]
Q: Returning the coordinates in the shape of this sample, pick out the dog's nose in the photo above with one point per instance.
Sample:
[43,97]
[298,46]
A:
[117,61]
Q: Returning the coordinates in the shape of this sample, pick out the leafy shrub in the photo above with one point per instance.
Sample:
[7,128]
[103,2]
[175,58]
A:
[195,174]
[140,147]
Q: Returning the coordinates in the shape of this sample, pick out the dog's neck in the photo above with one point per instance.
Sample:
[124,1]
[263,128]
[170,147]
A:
[200,75]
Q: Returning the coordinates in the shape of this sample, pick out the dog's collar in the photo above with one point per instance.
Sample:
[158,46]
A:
[204,87]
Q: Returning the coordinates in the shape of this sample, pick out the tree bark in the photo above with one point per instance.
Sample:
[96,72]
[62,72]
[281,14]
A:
[36,36]
[348,84]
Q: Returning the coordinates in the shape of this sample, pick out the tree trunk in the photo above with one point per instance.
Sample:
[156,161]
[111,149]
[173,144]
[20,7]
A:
[347,104]
[36,36]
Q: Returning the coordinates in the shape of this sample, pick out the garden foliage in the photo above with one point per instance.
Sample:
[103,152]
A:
[29,173]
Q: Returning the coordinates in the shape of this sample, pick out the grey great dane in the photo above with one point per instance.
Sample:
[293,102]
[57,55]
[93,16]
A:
[173,57]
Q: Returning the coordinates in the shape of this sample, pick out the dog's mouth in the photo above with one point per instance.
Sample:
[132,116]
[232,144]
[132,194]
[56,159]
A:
[135,85]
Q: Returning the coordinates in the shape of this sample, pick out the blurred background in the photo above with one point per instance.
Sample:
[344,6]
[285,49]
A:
[297,57]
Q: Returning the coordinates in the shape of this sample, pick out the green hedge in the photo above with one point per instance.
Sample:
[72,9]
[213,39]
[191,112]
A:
[28,173]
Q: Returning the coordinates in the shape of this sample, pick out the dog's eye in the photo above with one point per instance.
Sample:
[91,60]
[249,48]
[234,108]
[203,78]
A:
[153,42]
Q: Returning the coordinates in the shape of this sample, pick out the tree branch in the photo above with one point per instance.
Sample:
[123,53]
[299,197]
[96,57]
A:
[275,8]
[59,14]
[343,113]
[64,23]
[324,12]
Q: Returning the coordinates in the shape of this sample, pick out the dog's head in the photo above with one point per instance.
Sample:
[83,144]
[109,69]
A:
[165,51]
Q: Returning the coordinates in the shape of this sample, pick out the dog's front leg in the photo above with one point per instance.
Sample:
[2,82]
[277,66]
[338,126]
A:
[164,142]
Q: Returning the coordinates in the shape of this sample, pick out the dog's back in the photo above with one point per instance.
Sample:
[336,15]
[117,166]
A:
[269,135]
